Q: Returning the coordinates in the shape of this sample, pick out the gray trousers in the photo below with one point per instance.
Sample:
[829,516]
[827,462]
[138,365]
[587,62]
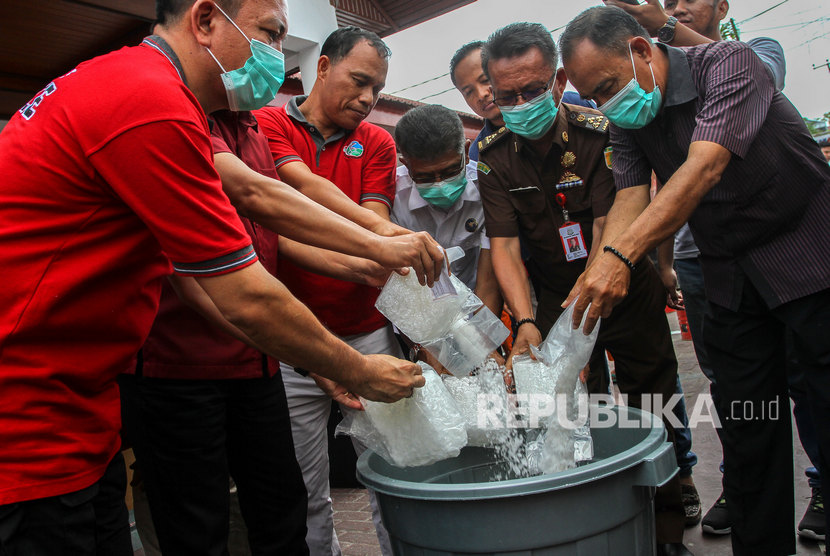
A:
[309,408]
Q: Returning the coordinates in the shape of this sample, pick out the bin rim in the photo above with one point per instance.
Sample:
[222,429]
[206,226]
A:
[509,488]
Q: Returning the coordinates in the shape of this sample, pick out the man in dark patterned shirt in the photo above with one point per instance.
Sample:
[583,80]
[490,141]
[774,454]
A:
[739,164]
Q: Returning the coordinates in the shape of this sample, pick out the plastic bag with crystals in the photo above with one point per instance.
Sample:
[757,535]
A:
[482,401]
[533,377]
[448,320]
[469,341]
[420,312]
[419,430]
[559,360]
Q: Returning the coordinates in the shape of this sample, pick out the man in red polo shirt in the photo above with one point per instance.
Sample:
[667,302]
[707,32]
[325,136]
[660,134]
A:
[203,405]
[106,182]
[315,141]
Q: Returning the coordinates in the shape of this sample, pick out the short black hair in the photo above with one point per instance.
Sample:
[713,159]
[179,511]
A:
[608,27]
[168,11]
[462,53]
[824,142]
[516,39]
[338,45]
[429,132]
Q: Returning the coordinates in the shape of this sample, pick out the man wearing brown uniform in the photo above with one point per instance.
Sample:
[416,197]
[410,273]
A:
[547,176]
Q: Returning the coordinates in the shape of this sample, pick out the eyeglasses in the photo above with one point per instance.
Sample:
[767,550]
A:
[527,95]
[445,175]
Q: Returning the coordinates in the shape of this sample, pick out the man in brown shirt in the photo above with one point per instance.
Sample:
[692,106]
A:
[546,176]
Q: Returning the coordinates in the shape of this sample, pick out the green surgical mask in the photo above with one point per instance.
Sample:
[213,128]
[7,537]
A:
[256,83]
[533,118]
[632,107]
[444,194]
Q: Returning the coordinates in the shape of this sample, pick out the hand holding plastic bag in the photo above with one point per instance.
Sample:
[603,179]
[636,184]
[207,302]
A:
[448,320]
[419,430]
[559,360]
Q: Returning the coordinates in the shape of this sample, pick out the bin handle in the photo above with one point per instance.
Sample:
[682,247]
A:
[658,468]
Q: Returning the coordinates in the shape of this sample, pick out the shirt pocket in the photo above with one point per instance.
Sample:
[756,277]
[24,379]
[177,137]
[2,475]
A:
[577,199]
[528,199]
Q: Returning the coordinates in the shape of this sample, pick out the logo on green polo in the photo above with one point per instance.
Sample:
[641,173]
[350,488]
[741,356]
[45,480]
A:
[353,149]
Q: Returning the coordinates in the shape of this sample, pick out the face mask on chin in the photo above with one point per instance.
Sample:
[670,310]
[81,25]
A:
[256,83]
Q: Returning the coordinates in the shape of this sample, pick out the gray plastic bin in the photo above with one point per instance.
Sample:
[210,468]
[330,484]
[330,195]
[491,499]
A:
[600,508]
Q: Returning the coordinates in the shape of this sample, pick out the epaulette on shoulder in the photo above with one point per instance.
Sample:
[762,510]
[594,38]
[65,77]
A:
[589,119]
[491,139]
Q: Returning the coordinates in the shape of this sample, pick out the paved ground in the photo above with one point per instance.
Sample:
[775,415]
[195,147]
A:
[353,521]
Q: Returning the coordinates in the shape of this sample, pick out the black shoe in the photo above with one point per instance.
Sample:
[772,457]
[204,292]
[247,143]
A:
[673,549]
[691,504]
[812,524]
[716,521]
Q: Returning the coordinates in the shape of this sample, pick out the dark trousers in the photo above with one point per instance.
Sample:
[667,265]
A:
[90,521]
[747,349]
[690,275]
[189,436]
[637,335]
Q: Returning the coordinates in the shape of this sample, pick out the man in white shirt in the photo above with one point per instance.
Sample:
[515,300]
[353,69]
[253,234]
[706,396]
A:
[437,192]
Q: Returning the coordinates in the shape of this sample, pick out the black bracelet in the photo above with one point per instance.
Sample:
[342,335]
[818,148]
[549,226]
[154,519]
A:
[620,256]
[525,321]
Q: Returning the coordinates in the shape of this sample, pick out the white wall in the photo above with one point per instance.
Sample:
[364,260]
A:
[309,23]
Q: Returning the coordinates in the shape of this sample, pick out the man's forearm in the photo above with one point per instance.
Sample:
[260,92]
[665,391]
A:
[686,36]
[665,254]
[281,208]
[280,325]
[334,199]
[675,202]
[628,204]
[192,295]
[511,276]
[597,230]
[332,264]
[487,286]
[652,17]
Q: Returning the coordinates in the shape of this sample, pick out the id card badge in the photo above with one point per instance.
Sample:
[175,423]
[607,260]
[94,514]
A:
[572,241]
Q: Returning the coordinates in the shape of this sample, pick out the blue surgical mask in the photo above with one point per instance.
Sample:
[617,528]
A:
[533,118]
[632,107]
[256,83]
[444,194]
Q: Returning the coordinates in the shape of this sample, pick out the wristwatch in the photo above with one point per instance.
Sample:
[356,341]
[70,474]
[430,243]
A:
[666,32]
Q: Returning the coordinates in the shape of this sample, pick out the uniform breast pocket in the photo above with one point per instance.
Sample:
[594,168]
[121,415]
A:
[528,199]
[577,199]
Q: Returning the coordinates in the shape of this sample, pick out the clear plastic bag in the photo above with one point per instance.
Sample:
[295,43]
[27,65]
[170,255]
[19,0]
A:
[533,377]
[419,430]
[566,347]
[482,401]
[448,320]
[555,372]
[469,341]
[420,312]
